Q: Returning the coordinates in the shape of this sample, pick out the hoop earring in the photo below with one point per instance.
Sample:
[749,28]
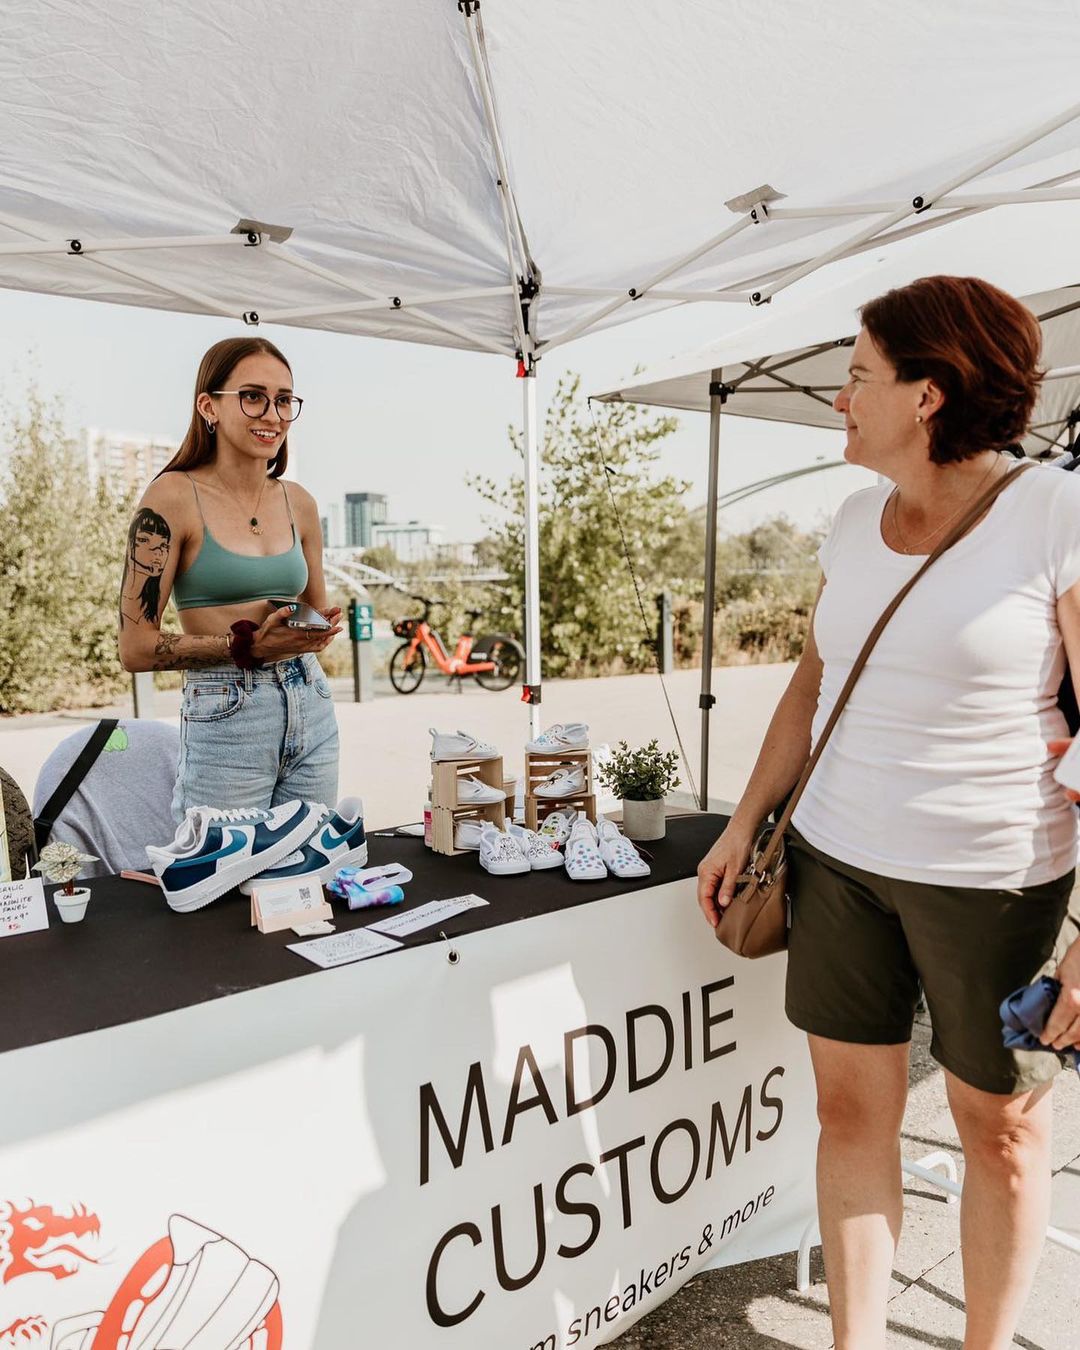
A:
[210,426]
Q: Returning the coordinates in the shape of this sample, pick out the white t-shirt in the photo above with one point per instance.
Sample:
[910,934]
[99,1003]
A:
[937,770]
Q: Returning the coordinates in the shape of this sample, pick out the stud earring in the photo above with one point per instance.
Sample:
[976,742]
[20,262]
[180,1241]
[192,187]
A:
[918,418]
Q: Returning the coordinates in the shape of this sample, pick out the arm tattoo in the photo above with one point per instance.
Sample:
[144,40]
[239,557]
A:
[149,540]
[201,652]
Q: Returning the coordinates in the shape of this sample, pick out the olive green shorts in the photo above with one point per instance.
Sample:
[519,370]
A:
[860,945]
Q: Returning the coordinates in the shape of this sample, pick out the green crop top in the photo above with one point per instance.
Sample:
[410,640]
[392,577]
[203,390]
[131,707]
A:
[218,576]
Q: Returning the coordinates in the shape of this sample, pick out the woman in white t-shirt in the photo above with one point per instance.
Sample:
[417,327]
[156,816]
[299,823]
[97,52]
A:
[932,845]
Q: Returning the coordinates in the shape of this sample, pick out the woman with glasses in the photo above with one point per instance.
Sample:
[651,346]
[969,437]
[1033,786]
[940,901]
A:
[221,532]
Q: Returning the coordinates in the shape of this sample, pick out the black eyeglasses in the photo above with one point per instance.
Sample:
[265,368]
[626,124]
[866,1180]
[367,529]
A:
[254,403]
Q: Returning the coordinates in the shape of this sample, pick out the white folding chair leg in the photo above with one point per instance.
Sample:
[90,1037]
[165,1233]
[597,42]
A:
[941,1159]
[810,1238]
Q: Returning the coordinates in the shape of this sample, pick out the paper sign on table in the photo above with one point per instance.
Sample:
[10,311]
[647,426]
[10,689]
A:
[414,919]
[342,948]
[22,907]
[283,904]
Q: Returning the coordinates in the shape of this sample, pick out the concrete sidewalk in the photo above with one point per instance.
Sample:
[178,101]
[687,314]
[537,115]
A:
[385,743]
[752,1307]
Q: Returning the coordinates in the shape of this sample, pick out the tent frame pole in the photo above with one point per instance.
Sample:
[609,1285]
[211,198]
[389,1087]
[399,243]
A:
[718,392]
[531,472]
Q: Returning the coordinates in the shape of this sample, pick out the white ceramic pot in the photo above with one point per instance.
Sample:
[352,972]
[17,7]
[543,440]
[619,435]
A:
[643,820]
[72,907]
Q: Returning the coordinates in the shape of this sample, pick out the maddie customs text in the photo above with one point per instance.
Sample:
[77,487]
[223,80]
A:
[472,1258]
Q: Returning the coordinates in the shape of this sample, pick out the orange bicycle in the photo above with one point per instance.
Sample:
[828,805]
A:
[495,661]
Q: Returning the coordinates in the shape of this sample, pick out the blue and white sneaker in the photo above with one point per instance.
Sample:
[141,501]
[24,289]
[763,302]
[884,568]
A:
[338,841]
[215,850]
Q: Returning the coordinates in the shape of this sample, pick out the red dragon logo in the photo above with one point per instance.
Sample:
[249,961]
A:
[192,1283]
[37,1239]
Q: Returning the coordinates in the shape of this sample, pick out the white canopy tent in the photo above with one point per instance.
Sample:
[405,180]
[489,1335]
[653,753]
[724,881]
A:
[790,366]
[508,179]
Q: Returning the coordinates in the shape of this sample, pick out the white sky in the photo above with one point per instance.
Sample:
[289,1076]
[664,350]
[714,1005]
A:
[407,420]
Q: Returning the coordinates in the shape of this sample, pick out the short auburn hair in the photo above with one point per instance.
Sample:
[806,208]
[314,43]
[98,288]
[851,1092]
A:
[979,346]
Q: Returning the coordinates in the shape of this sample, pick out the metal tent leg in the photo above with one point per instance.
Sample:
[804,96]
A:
[532,548]
[718,395]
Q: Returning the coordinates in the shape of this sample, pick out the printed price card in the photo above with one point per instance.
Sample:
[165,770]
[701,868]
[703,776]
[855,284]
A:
[22,907]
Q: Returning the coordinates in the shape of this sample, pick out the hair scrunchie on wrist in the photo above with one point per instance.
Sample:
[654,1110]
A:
[240,644]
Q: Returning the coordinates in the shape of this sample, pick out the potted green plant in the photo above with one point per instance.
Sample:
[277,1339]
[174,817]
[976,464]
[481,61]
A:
[62,863]
[641,779]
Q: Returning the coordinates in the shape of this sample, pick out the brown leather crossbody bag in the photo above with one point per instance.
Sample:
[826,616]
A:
[755,923]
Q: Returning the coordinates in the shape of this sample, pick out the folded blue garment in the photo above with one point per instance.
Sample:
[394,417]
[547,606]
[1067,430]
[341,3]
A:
[1024,1014]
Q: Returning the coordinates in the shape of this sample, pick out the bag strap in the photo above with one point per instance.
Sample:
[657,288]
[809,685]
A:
[977,509]
[84,762]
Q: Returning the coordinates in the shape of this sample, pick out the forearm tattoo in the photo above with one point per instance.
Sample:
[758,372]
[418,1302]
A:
[149,541]
[197,653]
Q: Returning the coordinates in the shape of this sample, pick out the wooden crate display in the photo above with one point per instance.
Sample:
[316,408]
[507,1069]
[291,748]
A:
[443,821]
[445,811]
[445,777]
[539,764]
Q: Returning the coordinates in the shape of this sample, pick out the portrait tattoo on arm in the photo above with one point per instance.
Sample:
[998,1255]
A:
[149,539]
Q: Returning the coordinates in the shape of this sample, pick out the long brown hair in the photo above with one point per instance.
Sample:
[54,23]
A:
[198,446]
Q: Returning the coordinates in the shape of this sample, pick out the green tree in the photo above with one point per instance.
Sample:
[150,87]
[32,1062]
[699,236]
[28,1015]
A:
[60,551]
[589,616]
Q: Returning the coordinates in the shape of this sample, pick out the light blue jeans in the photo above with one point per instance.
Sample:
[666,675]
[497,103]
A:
[255,738]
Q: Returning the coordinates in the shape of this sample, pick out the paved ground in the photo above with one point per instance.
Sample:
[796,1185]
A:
[751,1307]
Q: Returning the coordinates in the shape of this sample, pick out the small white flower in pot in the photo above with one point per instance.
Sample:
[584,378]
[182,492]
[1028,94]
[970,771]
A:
[641,779]
[61,864]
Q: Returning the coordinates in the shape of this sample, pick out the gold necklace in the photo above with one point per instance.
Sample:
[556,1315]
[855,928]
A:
[253,523]
[937,528]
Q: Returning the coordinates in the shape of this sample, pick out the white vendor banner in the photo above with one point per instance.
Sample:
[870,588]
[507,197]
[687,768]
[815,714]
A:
[522,1139]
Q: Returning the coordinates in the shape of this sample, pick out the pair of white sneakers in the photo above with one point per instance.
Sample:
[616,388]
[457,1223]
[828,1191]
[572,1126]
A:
[451,745]
[562,736]
[594,851]
[507,852]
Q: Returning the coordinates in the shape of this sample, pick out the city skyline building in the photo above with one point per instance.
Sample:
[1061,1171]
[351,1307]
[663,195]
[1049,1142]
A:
[363,512]
[126,462]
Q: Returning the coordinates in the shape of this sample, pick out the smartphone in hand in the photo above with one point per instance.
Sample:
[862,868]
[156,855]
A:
[303,617]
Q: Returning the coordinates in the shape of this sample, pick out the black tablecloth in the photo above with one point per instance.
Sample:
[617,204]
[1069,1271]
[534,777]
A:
[132,957]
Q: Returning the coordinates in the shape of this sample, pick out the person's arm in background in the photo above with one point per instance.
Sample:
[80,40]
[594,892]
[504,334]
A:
[1062,1029]
[781,760]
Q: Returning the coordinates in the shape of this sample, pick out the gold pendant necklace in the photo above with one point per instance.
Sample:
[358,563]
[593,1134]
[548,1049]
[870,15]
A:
[253,523]
[937,528]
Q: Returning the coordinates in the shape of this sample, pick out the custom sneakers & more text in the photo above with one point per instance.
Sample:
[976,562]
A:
[215,850]
[338,841]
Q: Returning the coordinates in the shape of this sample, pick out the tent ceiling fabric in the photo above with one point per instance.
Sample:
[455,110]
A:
[788,366]
[361,128]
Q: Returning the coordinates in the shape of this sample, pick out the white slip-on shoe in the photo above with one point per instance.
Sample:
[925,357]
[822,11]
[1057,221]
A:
[471,792]
[467,833]
[541,853]
[562,736]
[557,825]
[565,782]
[338,841]
[500,853]
[620,856]
[583,859]
[447,745]
[213,850]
